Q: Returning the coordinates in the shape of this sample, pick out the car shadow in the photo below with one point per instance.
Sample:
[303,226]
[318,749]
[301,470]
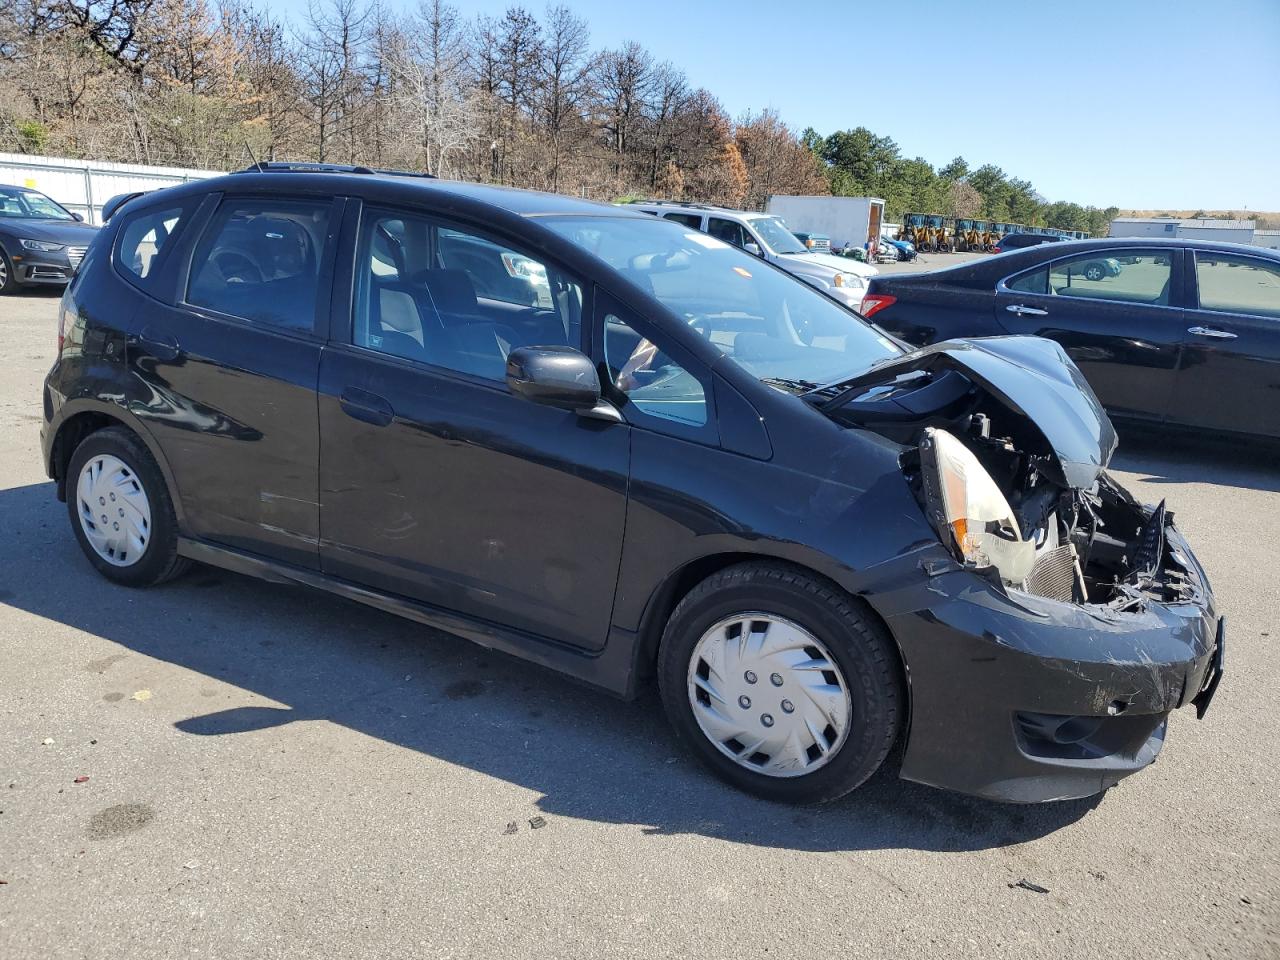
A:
[586,754]
[1164,456]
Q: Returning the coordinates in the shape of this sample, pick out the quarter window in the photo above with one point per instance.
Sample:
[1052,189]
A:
[260,261]
[688,219]
[1037,281]
[654,383]
[1131,276]
[143,237]
[455,299]
[1237,285]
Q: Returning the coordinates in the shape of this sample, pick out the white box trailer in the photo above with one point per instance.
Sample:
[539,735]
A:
[83,186]
[846,220]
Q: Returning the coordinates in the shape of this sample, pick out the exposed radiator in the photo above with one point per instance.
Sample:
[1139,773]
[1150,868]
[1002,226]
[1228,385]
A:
[1054,574]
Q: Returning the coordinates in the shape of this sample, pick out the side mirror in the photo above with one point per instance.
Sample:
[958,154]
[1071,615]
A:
[752,248]
[554,376]
[78,217]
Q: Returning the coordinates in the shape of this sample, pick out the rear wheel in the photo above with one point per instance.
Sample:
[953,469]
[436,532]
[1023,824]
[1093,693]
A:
[121,511]
[1094,271]
[781,683]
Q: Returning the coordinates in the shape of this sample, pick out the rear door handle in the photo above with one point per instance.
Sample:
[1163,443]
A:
[163,346]
[1022,311]
[366,407]
[1211,333]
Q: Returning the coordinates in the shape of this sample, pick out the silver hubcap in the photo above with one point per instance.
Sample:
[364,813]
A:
[4,272]
[769,695]
[114,512]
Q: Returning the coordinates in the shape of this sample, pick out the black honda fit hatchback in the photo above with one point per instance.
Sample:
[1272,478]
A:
[624,450]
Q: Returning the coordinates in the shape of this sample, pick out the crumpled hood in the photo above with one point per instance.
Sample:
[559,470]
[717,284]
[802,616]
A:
[1033,377]
[832,262]
[50,231]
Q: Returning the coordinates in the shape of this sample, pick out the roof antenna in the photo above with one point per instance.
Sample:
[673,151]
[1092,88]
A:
[257,164]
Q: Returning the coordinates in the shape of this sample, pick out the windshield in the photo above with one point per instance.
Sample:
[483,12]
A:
[775,233]
[776,327]
[18,204]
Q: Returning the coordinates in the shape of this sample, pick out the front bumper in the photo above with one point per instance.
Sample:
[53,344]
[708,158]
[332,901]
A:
[41,267]
[1020,698]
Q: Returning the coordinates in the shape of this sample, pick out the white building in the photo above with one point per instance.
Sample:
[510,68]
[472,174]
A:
[1171,228]
[1267,238]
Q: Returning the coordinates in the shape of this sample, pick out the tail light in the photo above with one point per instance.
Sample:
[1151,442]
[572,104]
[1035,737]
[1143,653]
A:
[995,249]
[873,303]
[66,317]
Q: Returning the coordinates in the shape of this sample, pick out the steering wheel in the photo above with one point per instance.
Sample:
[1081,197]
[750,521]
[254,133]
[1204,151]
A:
[237,268]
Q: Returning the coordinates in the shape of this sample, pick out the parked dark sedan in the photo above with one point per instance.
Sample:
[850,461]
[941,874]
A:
[41,242]
[625,450]
[1181,332]
[1020,241]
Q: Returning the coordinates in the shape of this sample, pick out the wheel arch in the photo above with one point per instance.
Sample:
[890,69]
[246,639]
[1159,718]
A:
[673,589]
[79,421]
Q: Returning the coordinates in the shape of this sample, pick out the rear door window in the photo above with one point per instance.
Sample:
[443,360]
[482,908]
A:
[259,260]
[1130,276]
[728,231]
[1233,284]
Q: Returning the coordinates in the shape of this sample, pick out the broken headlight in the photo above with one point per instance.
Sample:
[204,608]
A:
[969,510]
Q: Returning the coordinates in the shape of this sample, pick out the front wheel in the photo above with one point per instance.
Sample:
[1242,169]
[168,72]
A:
[8,278]
[785,686]
[1094,271]
[121,511]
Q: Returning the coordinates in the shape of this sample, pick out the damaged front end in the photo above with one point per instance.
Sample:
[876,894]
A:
[1006,450]
[1077,617]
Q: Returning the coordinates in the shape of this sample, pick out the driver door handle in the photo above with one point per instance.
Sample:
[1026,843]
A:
[366,407]
[1211,333]
[1022,311]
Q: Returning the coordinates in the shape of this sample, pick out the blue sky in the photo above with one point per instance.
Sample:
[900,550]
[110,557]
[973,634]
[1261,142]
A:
[1140,103]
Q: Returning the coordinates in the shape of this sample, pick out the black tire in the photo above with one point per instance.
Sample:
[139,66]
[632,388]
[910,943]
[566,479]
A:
[1094,271]
[160,560]
[8,278]
[857,641]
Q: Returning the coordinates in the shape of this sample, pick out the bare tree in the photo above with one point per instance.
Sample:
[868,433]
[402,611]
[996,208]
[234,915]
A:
[565,82]
[669,91]
[515,99]
[624,80]
[520,54]
[272,85]
[775,160]
[331,49]
[428,63]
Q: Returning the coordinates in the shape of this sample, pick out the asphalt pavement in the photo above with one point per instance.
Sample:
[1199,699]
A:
[226,768]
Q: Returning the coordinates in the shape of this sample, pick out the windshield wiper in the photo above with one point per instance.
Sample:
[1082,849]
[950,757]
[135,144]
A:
[795,386]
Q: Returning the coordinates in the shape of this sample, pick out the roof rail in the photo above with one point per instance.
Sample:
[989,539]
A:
[691,204]
[302,166]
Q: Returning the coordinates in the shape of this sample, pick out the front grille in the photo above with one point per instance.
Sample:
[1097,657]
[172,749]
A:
[1054,574]
[75,255]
